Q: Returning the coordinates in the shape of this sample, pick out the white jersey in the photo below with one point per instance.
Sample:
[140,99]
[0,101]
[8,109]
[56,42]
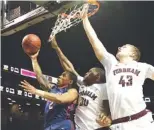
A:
[124,85]
[90,105]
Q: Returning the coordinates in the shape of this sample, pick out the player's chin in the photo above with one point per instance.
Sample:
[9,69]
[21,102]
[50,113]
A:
[117,56]
[85,79]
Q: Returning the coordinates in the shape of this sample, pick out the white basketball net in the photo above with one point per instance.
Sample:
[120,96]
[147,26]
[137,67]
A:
[72,19]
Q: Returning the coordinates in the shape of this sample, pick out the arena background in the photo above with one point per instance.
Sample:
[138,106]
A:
[116,23]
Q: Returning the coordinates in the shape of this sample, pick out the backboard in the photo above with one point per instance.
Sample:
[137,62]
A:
[28,13]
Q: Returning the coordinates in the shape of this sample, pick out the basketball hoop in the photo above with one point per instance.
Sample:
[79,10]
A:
[73,16]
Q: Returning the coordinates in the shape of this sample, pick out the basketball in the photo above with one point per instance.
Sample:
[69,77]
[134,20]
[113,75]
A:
[31,43]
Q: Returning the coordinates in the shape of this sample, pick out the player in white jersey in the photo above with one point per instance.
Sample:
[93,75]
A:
[90,104]
[92,94]
[125,78]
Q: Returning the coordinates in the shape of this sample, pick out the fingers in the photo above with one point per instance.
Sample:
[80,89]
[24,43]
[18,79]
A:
[37,52]
[103,123]
[101,115]
[34,56]
[23,86]
[26,88]
[103,120]
[100,123]
[23,83]
[85,11]
[26,82]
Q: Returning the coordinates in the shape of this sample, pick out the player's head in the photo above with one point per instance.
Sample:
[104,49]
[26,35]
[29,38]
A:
[15,109]
[67,78]
[128,51]
[94,75]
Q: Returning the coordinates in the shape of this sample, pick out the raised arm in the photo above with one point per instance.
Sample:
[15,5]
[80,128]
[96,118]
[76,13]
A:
[150,71]
[97,45]
[66,64]
[41,79]
[101,53]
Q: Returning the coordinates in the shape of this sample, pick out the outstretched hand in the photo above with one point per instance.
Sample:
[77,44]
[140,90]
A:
[27,87]
[35,55]
[104,120]
[85,11]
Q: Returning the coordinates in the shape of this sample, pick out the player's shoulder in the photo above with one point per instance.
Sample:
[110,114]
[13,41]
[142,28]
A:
[79,77]
[143,64]
[73,90]
[101,90]
[100,87]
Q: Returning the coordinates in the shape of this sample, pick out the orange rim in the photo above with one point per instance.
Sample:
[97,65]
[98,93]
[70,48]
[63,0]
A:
[91,2]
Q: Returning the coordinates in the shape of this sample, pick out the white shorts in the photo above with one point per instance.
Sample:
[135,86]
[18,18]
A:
[144,123]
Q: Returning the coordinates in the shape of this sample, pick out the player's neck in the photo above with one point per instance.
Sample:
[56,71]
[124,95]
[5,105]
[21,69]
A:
[64,86]
[125,60]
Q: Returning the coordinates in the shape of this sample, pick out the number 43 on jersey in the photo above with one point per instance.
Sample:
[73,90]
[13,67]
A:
[126,80]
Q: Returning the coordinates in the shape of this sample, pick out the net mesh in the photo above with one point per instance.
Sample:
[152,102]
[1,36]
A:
[74,17]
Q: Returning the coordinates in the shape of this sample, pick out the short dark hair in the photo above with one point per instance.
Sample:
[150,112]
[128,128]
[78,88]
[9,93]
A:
[101,72]
[74,78]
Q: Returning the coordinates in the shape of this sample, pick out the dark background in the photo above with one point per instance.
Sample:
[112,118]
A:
[116,24]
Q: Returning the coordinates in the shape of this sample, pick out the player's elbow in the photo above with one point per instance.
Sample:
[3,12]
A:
[99,56]
[98,49]
[56,99]
[66,99]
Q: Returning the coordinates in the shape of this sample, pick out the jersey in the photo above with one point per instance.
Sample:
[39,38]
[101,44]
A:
[54,112]
[124,85]
[90,105]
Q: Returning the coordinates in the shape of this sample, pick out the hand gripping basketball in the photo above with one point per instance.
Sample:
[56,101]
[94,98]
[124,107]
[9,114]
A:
[34,56]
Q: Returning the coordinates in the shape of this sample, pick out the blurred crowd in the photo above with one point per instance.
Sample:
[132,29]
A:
[14,119]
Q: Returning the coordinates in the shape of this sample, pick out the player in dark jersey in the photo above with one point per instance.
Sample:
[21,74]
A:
[59,97]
